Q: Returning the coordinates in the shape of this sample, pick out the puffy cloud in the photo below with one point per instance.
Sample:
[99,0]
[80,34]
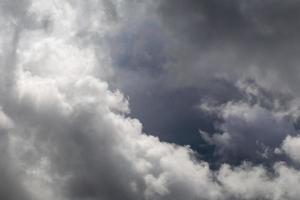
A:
[65,134]
[291,147]
[257,120]
[258,184]
[251,127]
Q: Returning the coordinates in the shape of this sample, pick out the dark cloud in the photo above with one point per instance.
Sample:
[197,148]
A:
[250,127]
[200,51]
[139,54]
[65,127]
[11,187]
[232,20]
[235,38]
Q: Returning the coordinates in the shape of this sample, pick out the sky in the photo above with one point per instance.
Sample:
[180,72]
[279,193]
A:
[149,100]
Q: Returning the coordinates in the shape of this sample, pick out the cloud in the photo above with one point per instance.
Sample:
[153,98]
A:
[233,39]
[93,151]
[291,147]
[179,54]
[251,127]
[65,134]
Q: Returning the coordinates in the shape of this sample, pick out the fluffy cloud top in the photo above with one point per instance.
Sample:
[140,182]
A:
[291,147]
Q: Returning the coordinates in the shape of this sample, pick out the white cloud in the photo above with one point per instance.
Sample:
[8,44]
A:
[291,146]
[67,135]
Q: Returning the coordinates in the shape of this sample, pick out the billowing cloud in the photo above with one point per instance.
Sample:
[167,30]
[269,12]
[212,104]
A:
[251,127]
[291,147]
[178,54]
[66,132]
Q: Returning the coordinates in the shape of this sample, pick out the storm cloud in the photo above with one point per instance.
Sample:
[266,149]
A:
[70,70]
[234,38]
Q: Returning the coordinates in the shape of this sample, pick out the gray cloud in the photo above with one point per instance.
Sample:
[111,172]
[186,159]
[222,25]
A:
[251,127]
[201,50]
[235,39]
[10,187]
[66,134]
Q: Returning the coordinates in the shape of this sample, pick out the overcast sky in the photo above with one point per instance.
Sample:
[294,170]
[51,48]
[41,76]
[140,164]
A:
[149,100]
